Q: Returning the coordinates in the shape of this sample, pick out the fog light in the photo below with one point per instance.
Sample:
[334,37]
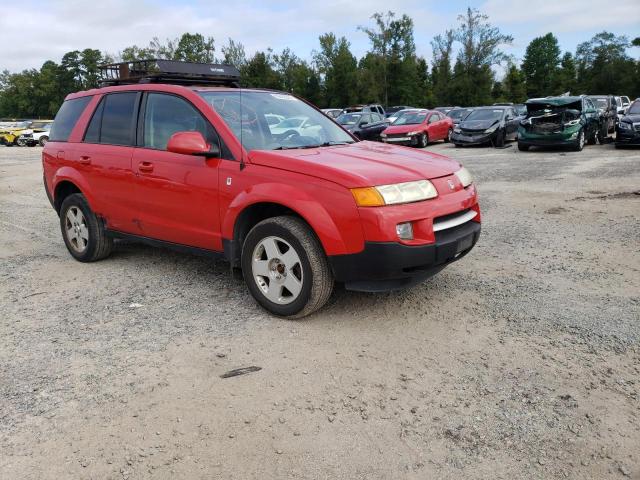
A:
[405,231]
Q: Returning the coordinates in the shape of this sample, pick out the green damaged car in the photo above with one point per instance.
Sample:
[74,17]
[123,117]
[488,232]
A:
[560,121]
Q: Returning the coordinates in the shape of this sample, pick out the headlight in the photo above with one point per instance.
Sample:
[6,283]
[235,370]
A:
[394,194]
[413,133]
[624,126]
[464,176]
[383,135]
[457,130]
[491,129]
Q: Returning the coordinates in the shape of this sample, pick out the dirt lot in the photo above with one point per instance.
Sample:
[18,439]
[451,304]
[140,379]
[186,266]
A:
[520,361]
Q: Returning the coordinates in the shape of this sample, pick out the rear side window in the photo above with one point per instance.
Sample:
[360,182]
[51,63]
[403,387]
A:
[118,122]
[114,120]
[66,118]
[165,115]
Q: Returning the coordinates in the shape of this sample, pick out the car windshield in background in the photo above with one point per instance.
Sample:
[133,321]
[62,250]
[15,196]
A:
[600,102]
[410,118]
[348,118]
[303,126]
[485,114]
[634,109]
[458,114]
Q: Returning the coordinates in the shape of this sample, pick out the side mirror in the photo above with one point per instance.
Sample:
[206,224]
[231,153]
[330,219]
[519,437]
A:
[192,143]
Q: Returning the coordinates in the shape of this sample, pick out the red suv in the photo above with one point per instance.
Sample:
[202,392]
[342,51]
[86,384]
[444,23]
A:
[418,128]
[200,169]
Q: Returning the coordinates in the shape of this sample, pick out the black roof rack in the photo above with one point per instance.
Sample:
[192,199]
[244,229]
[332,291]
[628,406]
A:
[168,71]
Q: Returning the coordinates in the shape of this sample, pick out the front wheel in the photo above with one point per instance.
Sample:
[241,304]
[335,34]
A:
[579,141]
[448,137]
[285,267]
[43,140]
[423,140]
[500,139]
[522,147]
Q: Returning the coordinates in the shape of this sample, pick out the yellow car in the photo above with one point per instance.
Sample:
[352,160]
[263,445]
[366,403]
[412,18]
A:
[9,135]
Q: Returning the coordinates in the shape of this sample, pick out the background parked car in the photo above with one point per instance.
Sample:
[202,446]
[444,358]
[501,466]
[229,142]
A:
[445,110]
[560,121]
[273,119]
[418,127]
[36,134]
[364,125]
[9,135]
[487,125]
[607,107]
[458,114]
[374,108]
[625,102]
[296,126]
[392,111]
[628,129]
[332,112]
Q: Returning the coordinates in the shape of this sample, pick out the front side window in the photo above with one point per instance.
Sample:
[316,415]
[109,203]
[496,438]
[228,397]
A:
[66,118]
[165,115]
[634,109]
[303,126]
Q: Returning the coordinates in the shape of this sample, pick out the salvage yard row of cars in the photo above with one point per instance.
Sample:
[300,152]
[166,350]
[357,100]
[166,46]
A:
[25,133]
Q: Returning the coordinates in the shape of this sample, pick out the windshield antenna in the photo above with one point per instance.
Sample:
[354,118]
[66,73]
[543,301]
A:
[242,165]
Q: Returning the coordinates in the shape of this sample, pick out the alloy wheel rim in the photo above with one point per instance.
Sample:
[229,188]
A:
[76,228]
[277,270]
[581,139]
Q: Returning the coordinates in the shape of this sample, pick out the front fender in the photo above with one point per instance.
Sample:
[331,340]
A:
[338,230]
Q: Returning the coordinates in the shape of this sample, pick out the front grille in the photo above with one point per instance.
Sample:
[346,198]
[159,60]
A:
[453,220]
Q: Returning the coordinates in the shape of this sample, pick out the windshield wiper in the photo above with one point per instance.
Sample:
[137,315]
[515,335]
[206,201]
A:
[301,147]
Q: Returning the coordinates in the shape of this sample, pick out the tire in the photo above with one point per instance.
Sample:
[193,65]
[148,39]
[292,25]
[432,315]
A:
[82,231]
[302,281]
[499,139]
[592,140]
[43,140]
[522,147]
[448,137]
[423,140]
[579,141]
[21,143]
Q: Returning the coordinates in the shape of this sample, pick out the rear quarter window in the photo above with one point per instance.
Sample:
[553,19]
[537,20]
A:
[66,118]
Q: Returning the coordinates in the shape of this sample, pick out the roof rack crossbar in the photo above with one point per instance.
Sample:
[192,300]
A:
[168,71]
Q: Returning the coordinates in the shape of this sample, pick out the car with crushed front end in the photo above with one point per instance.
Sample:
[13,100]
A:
[628,128]
[417,128]
[458,114]
[564,121]
[492,125]
[174,155]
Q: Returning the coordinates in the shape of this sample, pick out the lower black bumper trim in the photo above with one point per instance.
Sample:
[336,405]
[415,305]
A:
[385,266]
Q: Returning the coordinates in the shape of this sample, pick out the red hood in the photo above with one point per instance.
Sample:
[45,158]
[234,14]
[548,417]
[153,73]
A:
[363,164]
[393,129]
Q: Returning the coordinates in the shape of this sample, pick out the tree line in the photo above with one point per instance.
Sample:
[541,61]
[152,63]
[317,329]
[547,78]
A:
[460,72]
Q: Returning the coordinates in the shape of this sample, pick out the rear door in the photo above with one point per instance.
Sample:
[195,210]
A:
[177,195]
[511,124]
[105,155]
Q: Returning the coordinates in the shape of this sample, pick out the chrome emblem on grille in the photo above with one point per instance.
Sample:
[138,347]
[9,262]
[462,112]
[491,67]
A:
[452,185]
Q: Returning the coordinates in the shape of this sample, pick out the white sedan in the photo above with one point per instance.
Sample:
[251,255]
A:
[297,125]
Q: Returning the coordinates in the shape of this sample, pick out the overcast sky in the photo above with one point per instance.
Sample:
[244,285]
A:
[32,31]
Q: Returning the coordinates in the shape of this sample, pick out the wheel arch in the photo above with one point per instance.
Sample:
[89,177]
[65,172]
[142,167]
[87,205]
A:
[66,182]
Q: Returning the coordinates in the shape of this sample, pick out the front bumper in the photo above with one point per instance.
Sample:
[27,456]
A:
[463,138]
[566,137]
[386,266]
[627,137]
[409,140]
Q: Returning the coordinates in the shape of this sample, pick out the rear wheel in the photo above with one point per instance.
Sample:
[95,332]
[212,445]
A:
[83,232]
[43,140]
[285,268]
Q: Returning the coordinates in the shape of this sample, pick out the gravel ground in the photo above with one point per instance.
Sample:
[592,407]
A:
[520,361]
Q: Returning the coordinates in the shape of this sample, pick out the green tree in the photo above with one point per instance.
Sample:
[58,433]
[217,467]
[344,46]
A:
[513,85]
[234,54]
[337,64]
[567,81]
[259,72]
[441,74]
[540,66]
[194,47]
[479,52]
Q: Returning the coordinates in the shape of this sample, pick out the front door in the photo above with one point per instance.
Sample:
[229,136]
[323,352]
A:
[177,195]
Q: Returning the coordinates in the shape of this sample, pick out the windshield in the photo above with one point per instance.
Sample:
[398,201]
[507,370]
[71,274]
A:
[634,109]
[410,118]
[485,114]
[599,102]
[458,114]
[348,118]
[245,112]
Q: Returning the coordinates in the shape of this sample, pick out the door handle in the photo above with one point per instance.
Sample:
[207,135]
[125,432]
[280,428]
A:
[146,167]
[85,159]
